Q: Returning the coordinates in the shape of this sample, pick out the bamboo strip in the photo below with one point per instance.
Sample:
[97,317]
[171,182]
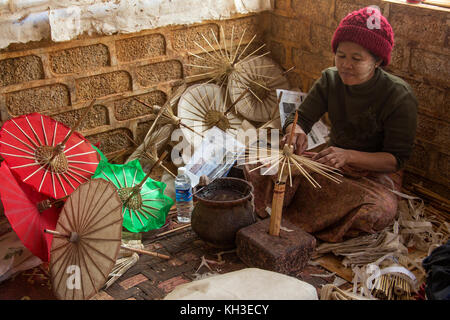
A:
[173,230]
[148,253]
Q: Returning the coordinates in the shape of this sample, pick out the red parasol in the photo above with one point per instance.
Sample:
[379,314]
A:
[21,203]
[47,155]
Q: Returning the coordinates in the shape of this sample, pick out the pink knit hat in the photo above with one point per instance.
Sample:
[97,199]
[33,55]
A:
[368,28]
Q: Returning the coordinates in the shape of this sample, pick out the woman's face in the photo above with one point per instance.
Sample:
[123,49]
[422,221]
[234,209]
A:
[354,63]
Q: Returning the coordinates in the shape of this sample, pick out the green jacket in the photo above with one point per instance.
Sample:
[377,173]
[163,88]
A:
[379,115]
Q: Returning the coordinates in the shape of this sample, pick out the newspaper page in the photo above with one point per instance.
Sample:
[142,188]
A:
[214,157]
[318,134]
[290,101]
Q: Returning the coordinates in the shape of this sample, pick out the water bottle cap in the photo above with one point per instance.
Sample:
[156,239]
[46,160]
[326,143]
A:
[181,170]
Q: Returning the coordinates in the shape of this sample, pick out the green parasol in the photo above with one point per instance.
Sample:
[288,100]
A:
[103,158]
[145,206]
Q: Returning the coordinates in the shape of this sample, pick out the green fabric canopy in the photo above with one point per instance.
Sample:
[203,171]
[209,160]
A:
[147,208]
[102,156]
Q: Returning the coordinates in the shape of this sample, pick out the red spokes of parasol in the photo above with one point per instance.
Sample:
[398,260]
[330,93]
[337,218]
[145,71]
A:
[21,203]
[32,146]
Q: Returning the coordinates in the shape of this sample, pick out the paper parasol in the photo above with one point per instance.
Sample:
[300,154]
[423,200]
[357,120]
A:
[145,210]
[28,213]
[86,240]
[203,106]
[47,155]
[262,77]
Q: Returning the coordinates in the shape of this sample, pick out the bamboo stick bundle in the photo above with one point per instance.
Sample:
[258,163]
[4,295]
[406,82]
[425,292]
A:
[392,287]
[122,265]
[291,164]
[376,290]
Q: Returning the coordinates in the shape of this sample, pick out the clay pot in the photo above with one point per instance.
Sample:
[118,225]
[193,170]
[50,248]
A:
[222,208]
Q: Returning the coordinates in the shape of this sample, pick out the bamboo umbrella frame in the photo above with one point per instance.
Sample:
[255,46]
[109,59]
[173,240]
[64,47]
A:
[260,104]
[222,60]
[166,113]
[210,109]
[289,162]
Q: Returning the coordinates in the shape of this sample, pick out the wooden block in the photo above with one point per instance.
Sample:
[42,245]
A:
[287,253]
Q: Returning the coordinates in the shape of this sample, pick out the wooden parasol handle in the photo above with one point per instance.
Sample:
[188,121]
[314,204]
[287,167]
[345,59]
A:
[60,146]
[281,75]
[292,131]
[237,100]
[156,164]
[276,117]
[55,233]
[151,157]
[148,253]
[77,124]
[179,122]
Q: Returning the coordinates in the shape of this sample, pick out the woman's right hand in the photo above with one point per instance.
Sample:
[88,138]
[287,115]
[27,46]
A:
[299,138]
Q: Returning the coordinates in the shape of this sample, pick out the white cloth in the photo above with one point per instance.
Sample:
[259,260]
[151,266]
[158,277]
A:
[245,284]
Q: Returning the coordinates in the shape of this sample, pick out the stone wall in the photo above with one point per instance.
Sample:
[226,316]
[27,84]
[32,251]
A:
[60,79]
[300,35]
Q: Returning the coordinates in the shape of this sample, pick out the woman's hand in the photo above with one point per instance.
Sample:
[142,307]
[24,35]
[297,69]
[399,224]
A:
[333,157]
[299,139]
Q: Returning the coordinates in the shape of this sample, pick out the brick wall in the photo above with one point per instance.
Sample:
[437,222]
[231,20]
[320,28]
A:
[300,34]
[59,79]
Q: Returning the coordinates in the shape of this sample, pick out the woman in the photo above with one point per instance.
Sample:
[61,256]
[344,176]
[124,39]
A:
[373,121]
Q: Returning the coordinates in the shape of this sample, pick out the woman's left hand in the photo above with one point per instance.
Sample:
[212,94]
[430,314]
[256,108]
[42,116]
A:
[333,157]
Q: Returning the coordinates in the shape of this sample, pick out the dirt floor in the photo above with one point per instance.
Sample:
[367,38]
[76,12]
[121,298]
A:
[153,278]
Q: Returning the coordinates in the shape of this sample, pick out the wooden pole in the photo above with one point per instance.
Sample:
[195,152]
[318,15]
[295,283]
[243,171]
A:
[278,195]
[277,208]
[152,158]
[77,124]
[237,100]
[55,233]
[161,158]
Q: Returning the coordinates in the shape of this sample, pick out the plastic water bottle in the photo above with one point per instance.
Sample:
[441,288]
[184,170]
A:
[183,196]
